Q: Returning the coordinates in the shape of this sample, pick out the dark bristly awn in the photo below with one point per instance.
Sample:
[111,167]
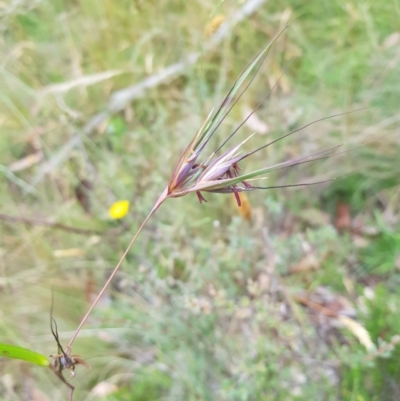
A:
[63,359]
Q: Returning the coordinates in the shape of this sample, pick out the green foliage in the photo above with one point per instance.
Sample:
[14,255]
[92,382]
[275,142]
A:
[149,384]
[383,255]
[117,130]
[377,380]
[15,352]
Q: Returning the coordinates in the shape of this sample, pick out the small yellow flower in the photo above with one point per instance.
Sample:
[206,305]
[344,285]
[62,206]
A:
[119,209]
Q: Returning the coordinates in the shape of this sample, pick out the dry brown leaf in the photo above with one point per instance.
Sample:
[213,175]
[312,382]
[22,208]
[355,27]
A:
[343,216]
[359,331]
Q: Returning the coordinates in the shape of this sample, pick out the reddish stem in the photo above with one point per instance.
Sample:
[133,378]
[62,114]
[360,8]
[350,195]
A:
[200,197]
[237,196]
[160,200]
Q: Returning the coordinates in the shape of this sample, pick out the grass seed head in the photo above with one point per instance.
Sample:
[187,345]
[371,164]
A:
[216,173]
[221,173]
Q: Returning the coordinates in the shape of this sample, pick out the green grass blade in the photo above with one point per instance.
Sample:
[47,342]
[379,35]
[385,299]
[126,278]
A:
[15,352]
[219,116]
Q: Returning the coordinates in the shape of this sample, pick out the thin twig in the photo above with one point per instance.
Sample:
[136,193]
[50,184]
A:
[62,378]
[121,98]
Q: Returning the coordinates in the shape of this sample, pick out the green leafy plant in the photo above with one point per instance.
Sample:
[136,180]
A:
[24,354]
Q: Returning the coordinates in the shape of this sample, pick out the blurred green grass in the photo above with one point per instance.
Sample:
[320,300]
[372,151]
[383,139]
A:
[205,306]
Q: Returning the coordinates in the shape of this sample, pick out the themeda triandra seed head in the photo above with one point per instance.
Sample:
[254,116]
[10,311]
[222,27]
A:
[221,174]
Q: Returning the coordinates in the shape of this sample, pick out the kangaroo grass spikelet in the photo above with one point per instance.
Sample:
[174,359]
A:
[219,172]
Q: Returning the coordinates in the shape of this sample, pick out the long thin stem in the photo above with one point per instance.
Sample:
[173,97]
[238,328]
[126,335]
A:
[160,200]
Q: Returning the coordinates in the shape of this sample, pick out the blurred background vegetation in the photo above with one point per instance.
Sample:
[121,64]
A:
[296,295]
